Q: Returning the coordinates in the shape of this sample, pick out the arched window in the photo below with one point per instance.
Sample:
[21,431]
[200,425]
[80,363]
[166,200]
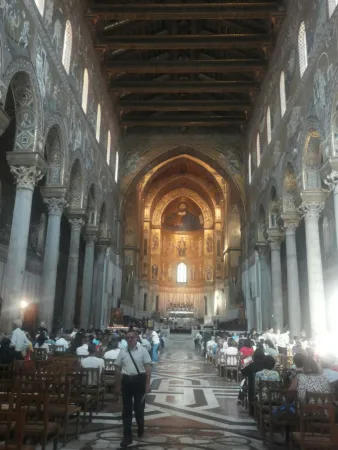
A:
[182,273]
[67,46]
[250,168]
[108,147]
[98,123]
[116,166]
[302,49]
[282,94]
[332,6]
[268,124]
[258,149]
[40,4]
[85,91]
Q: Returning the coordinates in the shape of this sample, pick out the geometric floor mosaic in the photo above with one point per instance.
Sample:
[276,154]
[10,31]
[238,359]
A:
[189,407]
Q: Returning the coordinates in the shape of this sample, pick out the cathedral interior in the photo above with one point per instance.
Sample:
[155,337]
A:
[173,161]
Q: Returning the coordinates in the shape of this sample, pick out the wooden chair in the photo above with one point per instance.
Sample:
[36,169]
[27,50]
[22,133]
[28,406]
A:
[109,373]
[6,371]
[261,402]
[79,394]
[317,428]
[14,424]
[95,386]
[24,369]
[319,398]
[61,408]
[39,354]
[232,367]
[282,412]
[33,397]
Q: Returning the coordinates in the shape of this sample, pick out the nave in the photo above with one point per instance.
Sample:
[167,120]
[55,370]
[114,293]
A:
[189,407]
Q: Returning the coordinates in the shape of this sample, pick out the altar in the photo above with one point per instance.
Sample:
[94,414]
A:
[181,317]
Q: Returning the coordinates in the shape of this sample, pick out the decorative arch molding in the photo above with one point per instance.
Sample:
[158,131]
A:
[187,177]
[56,121]
[288,186]
[331,118]
[223,161]
[77,186]
[24,66]
[182,192]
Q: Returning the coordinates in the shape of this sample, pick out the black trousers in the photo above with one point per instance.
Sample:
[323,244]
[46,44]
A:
[133,388]
[18,356]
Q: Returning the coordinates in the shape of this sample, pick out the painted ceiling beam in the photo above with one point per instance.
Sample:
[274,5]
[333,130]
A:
[176,87]
[182,105]
[106,10]
[159,42]
[181,122]
[185,66]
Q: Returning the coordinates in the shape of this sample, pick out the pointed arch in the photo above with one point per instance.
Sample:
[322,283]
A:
[85,89]
[67,46]
[98,123]
[302,49]
[282,93]
[108,147]
[76,185]
[332,4]
[268,124]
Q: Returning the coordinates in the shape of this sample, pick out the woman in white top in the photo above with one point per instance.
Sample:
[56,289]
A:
[41,342]
[112,350]
[232,352]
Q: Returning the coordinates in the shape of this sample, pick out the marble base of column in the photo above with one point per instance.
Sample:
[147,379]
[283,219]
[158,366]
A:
[50,260]
[72,273]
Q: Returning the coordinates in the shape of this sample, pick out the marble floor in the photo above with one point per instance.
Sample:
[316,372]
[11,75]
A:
[189,407]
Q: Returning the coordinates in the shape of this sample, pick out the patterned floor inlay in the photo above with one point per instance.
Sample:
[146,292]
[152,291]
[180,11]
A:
[189,407]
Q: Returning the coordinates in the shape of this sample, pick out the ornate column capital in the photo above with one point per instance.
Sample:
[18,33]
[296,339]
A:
[290,222]
[90,234]
[274,237]
[76,223]
[90,239]
[311,209]
[55,206]
[26,177]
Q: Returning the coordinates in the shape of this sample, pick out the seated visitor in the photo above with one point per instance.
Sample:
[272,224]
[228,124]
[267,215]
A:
[83,349]
[298,348]
[62,342]
[247,349]
[91,361]
[270,348]
[41,342]
[258,363]
[7,352]
[310,380]
[267,374]
[231,352]
[112,350]
[123,343]
[76,343]
[327,364]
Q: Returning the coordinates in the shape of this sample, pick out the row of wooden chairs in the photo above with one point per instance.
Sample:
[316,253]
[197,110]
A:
[308,425]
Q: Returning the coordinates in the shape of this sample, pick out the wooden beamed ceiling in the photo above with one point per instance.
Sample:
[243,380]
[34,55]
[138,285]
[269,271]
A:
[185,63]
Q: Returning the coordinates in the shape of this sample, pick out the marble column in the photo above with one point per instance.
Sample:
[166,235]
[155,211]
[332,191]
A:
[275,240]
[100,251]
[331,180]
[26,179]
[72,273]
[50,261]
[265,284]
[311,211]
[87,283]
[295,322]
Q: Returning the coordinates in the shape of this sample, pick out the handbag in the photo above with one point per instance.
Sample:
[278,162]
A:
[138,372]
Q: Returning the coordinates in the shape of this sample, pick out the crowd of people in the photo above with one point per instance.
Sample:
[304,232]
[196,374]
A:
[258,355]
[85,344]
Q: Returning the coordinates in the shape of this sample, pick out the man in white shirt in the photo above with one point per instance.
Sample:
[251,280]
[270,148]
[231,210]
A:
[82,350]
[62,342]
[156,342]
[145,343]
[19,340]
[92,362]
[134,366]
[112,350]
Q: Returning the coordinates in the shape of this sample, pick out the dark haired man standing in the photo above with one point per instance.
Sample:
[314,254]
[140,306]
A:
[133,368]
